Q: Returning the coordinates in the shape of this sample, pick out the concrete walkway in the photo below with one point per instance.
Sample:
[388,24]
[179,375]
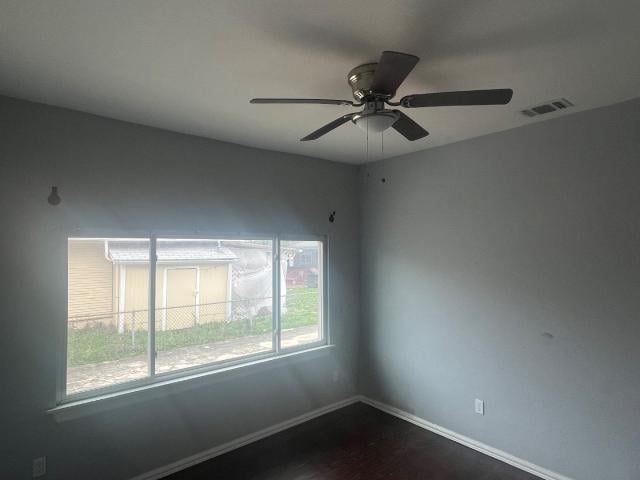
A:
[92,376]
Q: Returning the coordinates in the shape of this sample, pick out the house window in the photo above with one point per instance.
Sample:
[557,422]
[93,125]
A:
[213,300]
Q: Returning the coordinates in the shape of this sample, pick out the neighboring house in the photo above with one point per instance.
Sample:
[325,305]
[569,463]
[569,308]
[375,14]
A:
[108,283]
[193,282]
[90,281]
[197,282]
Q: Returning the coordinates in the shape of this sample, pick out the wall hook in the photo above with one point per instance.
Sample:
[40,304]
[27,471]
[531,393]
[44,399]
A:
[54,198]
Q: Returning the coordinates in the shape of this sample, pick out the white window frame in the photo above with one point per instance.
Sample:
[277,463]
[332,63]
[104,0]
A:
[159,378]
[322,285]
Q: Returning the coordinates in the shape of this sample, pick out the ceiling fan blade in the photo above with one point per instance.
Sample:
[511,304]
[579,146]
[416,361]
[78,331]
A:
[327,128]
[469,97]
[392,69]
[321,101]
[408,128]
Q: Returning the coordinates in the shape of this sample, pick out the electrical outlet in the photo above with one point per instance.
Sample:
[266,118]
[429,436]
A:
[479,406]
[39,467]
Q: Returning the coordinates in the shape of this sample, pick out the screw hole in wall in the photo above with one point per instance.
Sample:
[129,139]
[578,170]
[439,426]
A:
[332,217]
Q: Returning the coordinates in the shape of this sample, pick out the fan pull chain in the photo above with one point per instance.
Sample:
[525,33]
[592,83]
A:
[382,134]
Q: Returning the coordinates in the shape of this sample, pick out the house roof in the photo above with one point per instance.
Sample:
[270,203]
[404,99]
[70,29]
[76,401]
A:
[170,251]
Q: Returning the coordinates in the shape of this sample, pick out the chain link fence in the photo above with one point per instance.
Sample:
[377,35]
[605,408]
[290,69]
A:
[178,317]
[96,338]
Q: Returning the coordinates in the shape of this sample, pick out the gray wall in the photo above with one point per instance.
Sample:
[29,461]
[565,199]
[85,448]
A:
[472,251]
[119,177]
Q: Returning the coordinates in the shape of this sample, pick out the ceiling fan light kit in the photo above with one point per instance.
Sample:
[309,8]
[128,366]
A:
[375,122]
[373,86]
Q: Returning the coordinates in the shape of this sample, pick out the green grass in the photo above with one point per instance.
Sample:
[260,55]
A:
[103,343]
[302,307]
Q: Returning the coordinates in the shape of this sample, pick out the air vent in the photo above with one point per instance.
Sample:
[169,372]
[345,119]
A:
[548,107]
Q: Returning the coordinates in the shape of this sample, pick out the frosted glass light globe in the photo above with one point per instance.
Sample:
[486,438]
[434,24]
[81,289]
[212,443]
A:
[376,122]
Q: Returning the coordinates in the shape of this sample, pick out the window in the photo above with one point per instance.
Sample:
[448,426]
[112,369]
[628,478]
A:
[108,321]
[214,302]
[301,298]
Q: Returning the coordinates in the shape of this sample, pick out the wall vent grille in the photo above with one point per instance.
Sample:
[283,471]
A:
[548,107]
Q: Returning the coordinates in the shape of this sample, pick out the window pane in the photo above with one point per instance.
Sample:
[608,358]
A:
[213,301]
[301,293]
[108,301]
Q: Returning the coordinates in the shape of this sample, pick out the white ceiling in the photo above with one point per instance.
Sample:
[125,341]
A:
[192,66]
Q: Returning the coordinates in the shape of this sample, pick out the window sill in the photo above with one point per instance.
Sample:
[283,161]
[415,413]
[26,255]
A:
[93,405]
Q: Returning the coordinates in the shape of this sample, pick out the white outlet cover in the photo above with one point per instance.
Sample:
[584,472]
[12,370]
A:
[479,406]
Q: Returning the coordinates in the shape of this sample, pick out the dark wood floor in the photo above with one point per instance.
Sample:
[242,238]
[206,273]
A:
[357,442]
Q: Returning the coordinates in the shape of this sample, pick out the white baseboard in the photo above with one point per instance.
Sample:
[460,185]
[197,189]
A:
[242,441]
[505,457]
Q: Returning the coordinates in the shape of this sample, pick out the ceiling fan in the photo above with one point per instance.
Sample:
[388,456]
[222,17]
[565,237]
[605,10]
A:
[375,84]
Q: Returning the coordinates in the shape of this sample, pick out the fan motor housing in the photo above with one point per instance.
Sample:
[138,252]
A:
[360,79]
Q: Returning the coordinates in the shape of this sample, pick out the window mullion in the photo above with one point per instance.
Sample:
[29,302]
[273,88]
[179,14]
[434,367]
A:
[276,293]
[153,258]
